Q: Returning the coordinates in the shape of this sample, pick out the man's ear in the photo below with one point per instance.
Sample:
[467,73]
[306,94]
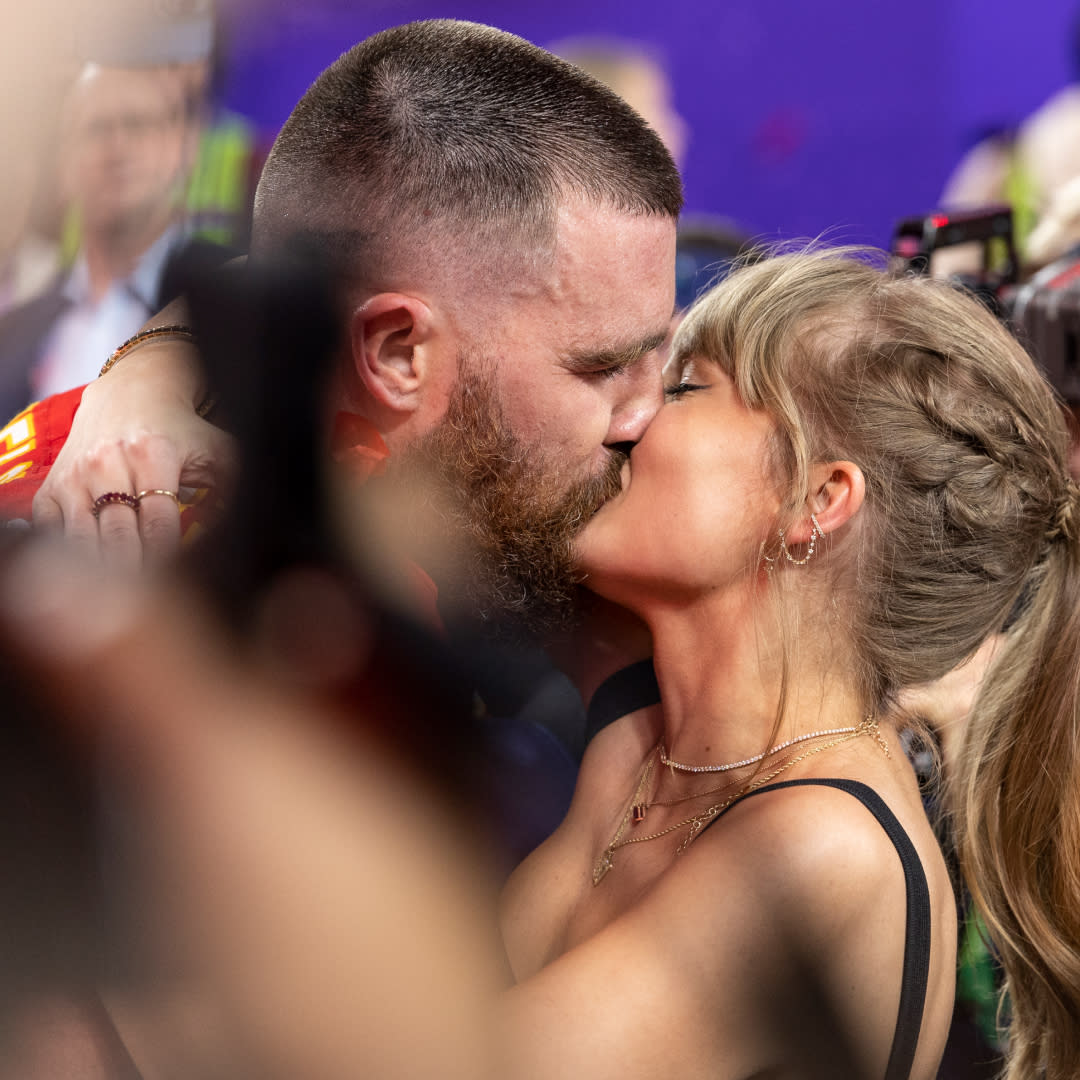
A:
[838,489]
[389,335]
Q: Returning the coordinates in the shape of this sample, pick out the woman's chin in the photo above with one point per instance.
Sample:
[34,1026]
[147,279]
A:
[588,546]
[600,575]
[604,552]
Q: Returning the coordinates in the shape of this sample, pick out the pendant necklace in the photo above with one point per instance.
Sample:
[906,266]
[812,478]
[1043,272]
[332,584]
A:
[697,822]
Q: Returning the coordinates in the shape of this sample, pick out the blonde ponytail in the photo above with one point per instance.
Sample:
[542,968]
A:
[1017,805]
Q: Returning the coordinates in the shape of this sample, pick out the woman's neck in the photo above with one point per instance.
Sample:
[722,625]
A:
[719,664]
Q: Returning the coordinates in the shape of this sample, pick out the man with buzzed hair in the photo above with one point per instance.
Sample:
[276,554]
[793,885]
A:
[487,189]
[505,230]
[506,227]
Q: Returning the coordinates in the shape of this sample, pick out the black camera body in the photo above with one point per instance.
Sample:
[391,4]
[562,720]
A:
[1043,312]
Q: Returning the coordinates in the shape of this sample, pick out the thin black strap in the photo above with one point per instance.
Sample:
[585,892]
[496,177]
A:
[917,934]
[627,690]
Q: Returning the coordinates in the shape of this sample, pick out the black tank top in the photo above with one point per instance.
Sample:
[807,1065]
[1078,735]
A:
[917,934]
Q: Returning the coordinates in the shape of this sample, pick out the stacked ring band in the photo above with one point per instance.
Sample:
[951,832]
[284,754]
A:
[159,491]
[124,497]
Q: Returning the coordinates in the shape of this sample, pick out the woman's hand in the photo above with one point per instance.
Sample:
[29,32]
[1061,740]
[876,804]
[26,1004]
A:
[136,430]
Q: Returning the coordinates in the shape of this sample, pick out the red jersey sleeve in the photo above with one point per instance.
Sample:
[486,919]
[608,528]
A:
[30,444]
[28,447]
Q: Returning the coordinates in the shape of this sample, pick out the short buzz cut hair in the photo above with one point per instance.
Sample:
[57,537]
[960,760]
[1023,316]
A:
[442,131]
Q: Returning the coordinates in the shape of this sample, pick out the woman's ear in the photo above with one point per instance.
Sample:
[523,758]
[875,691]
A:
[838,489]
[389,336]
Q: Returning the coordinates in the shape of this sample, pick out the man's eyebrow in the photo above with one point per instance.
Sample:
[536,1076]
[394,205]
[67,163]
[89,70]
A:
[616,356]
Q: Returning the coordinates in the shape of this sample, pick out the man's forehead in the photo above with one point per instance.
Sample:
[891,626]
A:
[612,277]
[581,222]
[605,284]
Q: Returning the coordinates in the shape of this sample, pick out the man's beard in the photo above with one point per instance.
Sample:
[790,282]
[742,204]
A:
[511,507]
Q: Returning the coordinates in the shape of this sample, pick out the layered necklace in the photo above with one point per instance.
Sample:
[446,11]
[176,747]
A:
[639,806]
[673,765]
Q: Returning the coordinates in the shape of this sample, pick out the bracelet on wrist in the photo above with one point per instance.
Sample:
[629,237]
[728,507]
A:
[182,333]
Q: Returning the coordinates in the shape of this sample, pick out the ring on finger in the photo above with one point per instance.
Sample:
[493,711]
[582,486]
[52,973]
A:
[159,491]
[123,497]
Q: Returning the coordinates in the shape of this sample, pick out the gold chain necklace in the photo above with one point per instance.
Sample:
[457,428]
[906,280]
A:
[641,807]
[604,864]
[697,822]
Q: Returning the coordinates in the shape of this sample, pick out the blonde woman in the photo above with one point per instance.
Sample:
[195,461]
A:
[852,483]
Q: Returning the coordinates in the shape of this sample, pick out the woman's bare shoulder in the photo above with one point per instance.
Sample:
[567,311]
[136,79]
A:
[755,911]
[811,852]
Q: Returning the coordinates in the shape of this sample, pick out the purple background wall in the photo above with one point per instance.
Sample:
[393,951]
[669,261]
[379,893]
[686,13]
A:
[806,115]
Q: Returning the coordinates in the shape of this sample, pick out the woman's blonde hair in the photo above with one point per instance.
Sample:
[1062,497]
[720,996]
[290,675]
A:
[967,529]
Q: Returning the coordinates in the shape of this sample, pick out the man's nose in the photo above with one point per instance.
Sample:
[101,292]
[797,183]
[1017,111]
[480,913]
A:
[643,395]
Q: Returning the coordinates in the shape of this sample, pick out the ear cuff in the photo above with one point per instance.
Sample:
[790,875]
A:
[785,552]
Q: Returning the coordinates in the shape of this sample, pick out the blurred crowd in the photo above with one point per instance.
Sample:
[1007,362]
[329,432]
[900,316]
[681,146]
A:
[135,161]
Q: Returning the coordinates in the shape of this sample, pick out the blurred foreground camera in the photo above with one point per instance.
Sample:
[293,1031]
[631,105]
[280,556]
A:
[1043,311]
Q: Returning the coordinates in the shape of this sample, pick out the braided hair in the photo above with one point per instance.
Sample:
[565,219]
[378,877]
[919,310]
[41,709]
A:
[969,528]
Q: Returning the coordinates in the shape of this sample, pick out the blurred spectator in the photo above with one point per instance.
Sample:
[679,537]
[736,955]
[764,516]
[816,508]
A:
[992,171]
[124,166]
[36,67]
[706,244]
[185,38]
[706,248]
[637,77]
[1027,168]
[1058,233]
[28,261]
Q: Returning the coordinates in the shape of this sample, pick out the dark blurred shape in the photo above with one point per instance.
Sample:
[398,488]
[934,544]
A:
[1046,314]
[269,334]
[266,337]
[49,893]
[916,240]
[706,249]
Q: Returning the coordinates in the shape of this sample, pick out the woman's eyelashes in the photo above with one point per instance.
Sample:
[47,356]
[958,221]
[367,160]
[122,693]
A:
[676,390]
